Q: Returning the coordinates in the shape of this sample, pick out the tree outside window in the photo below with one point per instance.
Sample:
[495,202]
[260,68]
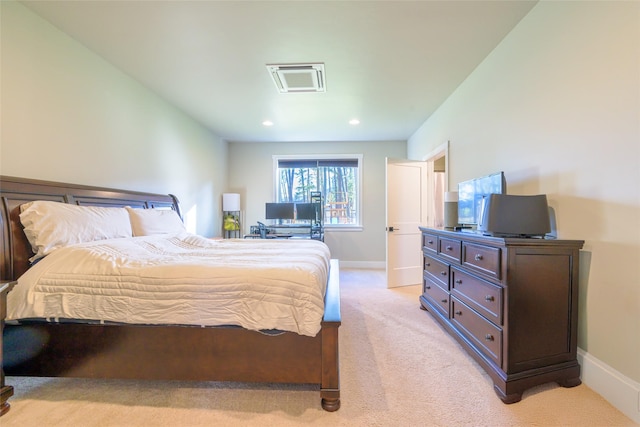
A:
[336,178]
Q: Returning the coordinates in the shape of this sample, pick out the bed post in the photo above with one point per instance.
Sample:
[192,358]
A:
[330,387]
[6,391]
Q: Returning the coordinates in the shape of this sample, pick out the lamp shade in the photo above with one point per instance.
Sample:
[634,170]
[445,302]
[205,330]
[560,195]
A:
[230,202]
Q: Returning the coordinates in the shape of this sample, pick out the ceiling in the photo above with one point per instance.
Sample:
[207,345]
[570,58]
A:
[389,64]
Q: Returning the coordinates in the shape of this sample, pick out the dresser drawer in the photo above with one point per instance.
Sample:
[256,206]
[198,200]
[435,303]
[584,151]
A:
[485,335]
[430,242]
[438,271]
[484,297]
[449,248]
[485,259]
[436,295]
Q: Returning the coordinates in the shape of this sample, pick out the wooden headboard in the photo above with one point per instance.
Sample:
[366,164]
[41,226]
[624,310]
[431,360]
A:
[14,246]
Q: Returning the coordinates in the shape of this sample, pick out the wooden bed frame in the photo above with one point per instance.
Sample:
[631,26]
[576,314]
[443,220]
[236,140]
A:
[158,352]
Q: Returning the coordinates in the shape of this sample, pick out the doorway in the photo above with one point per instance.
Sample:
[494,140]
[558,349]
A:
[404,214]
[437,184]
[414,197]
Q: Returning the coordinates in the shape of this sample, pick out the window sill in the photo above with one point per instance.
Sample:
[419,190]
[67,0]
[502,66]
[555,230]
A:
[341,228]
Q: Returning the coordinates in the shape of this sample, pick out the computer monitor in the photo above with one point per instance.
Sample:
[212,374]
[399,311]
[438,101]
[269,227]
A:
[307,211]
[279,211]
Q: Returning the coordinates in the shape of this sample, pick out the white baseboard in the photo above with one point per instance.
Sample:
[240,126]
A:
[620,391]
[364,264]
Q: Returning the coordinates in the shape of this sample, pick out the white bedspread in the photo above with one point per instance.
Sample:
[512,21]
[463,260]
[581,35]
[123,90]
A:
[180,279]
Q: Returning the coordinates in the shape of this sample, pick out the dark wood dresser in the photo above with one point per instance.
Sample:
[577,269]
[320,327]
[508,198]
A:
[5,391]
[512,303]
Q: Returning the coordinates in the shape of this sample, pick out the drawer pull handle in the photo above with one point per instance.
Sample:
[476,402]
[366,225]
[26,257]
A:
[428,264]
[458,313]
[430,242]
[427,287]
[458,281]
[449,248]
[444,273]
[444,301]
[489,298]
[488,337]
[478,257]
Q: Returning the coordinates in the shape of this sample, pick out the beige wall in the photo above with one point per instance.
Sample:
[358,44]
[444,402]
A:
[67,115]
[557,107]
[251,175]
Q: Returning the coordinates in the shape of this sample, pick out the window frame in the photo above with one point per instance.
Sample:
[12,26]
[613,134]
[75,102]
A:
[320,157]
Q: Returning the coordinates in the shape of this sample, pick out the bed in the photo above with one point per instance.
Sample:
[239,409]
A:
[154,350]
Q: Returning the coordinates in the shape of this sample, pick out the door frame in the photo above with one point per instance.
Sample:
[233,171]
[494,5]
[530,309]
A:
[438,152]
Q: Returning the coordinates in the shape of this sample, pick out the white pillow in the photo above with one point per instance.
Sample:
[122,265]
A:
[51,225]
[145,222]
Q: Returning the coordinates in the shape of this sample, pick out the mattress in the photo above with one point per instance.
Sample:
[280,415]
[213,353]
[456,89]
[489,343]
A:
[180,279]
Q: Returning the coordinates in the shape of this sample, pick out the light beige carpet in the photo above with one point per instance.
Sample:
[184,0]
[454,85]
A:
[398,368]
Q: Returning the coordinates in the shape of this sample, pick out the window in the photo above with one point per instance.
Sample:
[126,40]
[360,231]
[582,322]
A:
[337,178]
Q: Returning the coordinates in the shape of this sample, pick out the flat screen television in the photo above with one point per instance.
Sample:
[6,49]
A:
[472,192]
[307,211]
[279,211]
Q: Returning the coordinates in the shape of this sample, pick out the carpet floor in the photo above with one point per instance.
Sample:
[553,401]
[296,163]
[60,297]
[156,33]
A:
[398,368]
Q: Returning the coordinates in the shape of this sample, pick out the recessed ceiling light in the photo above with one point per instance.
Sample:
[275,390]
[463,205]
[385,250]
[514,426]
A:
[354,122]
[267,123]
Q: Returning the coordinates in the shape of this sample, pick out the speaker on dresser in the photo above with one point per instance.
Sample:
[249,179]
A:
[513,215]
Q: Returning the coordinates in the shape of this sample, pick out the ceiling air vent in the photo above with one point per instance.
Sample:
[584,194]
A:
[291,78]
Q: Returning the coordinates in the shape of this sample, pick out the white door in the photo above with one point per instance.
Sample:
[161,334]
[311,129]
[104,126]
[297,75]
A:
[405,202]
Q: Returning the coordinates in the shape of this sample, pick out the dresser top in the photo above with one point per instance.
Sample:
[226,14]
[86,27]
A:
[477,236]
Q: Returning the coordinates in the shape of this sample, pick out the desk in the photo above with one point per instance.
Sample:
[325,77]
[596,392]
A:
[269,236]
[288,231]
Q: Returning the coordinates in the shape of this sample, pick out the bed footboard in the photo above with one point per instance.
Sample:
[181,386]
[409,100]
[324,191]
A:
[182,352]
[330,388]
